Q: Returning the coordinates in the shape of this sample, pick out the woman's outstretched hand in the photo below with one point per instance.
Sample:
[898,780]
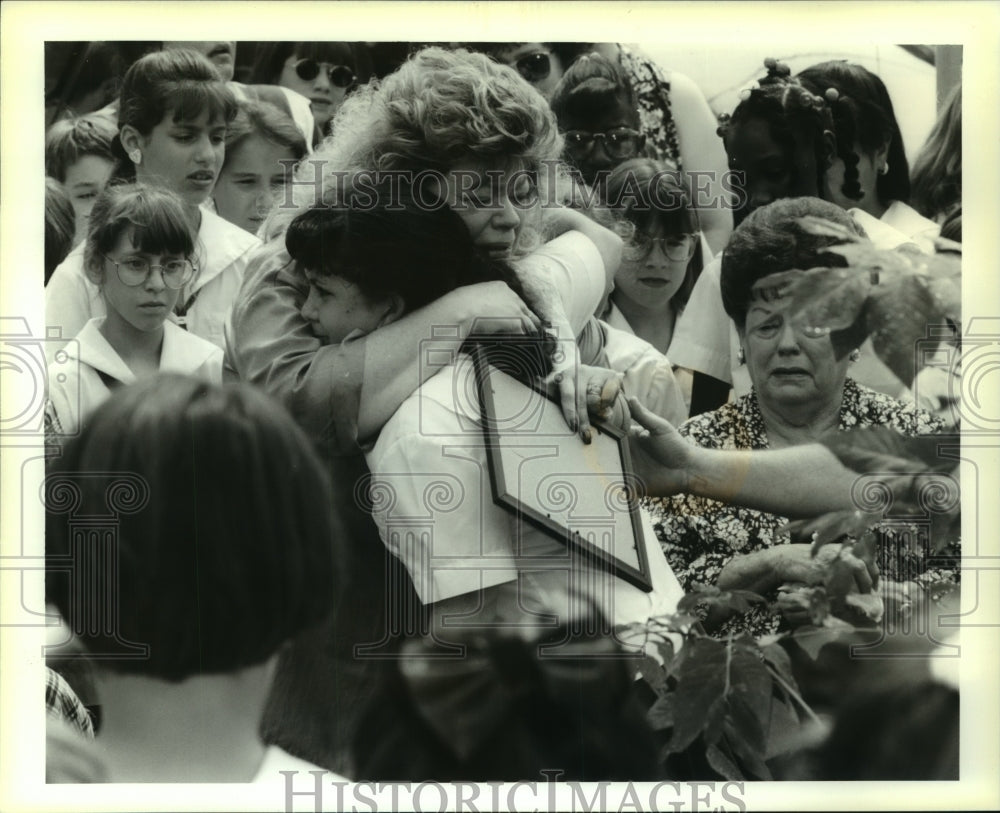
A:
[661,456]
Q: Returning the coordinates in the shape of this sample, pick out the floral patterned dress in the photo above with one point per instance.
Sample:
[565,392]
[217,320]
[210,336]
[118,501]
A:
[700,536]
[652,90]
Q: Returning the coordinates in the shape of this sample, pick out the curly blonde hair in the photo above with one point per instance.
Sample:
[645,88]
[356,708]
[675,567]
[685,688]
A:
[438,109]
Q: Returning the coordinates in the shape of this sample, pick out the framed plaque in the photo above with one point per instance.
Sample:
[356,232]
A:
[581,494]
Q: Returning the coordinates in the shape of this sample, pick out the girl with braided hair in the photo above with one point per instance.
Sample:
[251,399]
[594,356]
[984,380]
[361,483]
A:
[790,141]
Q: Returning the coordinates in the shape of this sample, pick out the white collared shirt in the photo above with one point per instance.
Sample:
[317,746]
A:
[222,251]
[75,384]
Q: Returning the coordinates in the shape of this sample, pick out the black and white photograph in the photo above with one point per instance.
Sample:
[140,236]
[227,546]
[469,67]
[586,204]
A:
[419,418]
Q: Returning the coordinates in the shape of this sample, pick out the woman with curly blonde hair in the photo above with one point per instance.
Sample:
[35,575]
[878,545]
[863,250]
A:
[471,134]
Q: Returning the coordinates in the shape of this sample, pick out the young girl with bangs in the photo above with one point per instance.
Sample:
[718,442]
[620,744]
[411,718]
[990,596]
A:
[662,260]
[138,256]
[173,117]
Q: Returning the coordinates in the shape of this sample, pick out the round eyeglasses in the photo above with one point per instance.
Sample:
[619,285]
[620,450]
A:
[340,76]
[534,67]
[677,248]
[620,143]
[135,271]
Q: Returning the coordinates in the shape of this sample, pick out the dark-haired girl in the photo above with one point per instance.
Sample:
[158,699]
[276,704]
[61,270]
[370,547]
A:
[173,117]
[138,257]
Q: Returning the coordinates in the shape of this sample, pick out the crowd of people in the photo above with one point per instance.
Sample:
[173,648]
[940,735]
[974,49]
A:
[268,291]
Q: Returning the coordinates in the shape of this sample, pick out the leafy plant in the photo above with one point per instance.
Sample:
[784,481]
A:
[890,296]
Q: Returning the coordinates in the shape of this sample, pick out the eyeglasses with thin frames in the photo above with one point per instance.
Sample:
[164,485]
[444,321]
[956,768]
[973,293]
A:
[677,248]
[134,271]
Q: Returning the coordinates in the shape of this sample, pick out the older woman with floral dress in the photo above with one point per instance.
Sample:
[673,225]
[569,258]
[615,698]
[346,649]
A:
[800,392]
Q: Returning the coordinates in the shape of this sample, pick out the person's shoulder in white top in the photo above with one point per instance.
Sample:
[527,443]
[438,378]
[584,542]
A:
[78,379]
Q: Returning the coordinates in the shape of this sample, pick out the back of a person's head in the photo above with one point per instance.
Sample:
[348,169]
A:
[69,140]
[774,238]
[60,225]
[225,539]
[514,703]
[937,169]
[590,82]
[862,115]
[152,216]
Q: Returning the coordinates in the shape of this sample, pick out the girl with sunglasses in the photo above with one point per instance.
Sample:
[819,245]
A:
[322,72]
[138,255]
[173,117]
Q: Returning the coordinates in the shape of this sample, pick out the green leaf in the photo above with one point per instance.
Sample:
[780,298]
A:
[661,713]
[777,658]
[750,756]
[654,673]
[784,731]
[882,449]
[898,315]
[722,764]
[701,683]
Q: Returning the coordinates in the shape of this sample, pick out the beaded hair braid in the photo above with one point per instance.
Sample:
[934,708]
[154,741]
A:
[789,108]
[863,115]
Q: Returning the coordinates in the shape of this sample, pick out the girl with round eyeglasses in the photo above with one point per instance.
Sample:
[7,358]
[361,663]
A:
[664,256]
[139,255]
[174,115]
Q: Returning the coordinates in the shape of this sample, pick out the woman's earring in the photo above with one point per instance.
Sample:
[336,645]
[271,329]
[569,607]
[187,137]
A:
[741,357]
[884,169]
[854,355]
[135,156]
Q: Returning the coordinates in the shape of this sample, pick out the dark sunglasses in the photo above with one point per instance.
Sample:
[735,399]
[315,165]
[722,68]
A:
[534,67]
[620,143]
[340,75]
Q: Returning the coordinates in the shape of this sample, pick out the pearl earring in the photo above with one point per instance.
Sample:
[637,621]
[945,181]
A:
[884,169]
[135,156]
[854,355]
[741,356]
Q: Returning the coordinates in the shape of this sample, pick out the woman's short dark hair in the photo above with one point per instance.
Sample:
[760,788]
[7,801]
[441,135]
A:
[592,79]
[181,81]
[155,217]
[652,196]
[772,239]
[385,240]
[226,538]
[60,225]
[862,114]
[267,121]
